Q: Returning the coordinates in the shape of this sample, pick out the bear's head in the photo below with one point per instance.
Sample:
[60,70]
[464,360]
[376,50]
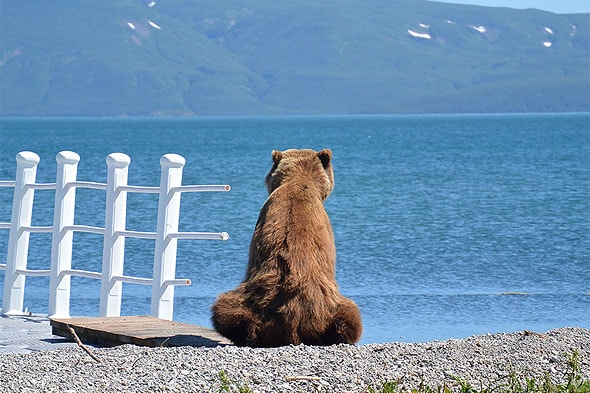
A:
[306,166]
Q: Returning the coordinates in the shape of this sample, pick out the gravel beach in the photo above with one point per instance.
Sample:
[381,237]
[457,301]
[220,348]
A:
[481,360]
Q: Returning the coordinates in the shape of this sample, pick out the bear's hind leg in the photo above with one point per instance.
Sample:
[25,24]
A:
[346,326]
[232,319]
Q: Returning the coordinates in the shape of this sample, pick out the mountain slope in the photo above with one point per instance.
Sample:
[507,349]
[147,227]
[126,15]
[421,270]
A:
[194,57]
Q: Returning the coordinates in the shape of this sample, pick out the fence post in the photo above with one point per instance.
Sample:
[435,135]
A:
[61,246]
[114,245]
[18,241]
[165,248]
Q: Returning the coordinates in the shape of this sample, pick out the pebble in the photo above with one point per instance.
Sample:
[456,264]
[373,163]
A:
[478,360]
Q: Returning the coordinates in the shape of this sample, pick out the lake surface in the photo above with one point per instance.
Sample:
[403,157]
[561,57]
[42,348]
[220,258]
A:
[438,220]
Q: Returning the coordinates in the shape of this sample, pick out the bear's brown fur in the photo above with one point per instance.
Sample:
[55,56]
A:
[289,294]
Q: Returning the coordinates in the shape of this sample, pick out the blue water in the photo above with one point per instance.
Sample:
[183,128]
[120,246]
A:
[434,216]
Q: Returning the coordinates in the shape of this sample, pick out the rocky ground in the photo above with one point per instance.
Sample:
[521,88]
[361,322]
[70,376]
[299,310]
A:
[480,360]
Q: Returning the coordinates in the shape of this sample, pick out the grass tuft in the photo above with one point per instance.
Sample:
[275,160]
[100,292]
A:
[230,386]
[575,383]
[512,383]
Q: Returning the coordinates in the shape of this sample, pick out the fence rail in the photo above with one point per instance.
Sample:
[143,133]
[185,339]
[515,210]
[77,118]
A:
[113,232]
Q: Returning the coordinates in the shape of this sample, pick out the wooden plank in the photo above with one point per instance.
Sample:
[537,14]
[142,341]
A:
[138,330]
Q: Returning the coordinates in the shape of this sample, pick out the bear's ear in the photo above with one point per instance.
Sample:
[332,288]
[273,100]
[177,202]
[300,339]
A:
[276,156]
[325,157]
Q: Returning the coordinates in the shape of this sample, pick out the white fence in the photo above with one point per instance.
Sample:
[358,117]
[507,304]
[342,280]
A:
[114,233]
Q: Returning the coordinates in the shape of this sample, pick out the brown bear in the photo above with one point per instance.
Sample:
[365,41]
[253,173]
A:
[289,294]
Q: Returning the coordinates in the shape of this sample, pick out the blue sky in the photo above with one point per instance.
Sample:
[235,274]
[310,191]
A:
[557,6]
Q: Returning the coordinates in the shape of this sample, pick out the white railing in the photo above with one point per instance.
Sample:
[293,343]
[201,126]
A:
[114,233]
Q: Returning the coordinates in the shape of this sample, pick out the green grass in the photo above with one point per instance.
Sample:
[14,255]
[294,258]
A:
[230,386]
[512,383]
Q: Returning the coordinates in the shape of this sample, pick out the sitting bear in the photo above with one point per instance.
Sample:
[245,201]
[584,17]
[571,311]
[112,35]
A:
[289,294]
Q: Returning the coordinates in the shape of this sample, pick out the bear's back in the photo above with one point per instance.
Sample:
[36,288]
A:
[293,230]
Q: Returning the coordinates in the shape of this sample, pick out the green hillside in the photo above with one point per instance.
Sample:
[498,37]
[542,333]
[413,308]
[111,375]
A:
[194,57]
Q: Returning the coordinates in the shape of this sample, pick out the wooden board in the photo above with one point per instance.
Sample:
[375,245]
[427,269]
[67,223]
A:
[138,330]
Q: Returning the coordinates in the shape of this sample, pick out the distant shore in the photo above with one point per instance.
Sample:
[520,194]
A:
[480,360]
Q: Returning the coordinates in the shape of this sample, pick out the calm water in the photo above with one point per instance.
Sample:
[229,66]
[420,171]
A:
[434,216]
